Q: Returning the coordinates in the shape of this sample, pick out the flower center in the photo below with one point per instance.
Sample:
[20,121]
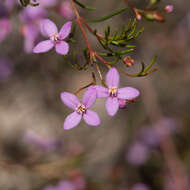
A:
[54,37]
[81,109]
[113,91]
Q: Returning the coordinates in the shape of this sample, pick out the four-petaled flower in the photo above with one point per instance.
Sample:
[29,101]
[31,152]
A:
[49,29]
[81,109]
[113,94]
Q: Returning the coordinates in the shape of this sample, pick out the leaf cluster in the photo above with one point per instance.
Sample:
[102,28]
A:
[120,39]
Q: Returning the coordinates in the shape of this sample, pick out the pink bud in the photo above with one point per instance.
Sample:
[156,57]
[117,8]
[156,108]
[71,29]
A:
[169,8]
[158,17]
[122,103]
[129,61]
[138,15]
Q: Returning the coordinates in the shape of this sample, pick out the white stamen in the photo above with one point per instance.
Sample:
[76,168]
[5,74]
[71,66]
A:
[54,37]
[81,109]
[113,91]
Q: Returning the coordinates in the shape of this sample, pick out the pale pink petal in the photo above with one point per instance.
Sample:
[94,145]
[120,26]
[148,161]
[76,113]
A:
[112,105]
[91,118]
[101,91]
[128,93]
[72,120]
[65,30]
[48,28]
[43,46]
[62,47]
[112,78]
[70,100]
[89,97]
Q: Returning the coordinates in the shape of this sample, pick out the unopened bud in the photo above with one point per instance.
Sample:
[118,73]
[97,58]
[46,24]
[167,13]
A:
[169,8]
[138,15]
[158,17]
[129,61]
[122,103]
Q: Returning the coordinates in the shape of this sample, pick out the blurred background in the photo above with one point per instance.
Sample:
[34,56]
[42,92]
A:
[144,147]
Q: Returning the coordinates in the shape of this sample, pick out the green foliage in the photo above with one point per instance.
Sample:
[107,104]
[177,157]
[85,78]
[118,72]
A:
[146,70]
[120,40]
[75,64]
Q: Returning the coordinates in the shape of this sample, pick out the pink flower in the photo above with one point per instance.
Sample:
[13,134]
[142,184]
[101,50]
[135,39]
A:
[30,32]
[66,10]
[140,186]
[63,185]
[81,110]
[44,144]
[49,29]
[169,8]
[113,94]
[6,68]
[137,154]
[5,28]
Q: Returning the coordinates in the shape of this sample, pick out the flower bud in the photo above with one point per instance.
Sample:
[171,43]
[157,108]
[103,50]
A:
[129,61]
[169,8]
[154,16]
[138,15]
[158,17]
[122,103]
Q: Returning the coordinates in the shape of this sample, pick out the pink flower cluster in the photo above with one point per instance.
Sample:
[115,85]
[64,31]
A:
[114,97]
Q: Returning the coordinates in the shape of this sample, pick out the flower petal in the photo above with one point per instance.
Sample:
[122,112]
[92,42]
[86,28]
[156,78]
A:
[128,93]
[62,47]
[101,91]
[72,120]
[65,30]
[112,105]
[43,46]
[48,28]
[70,100]
[91,118]
[89,97]
[112,78]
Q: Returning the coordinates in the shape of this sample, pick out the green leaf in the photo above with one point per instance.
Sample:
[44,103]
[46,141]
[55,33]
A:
[139,32]
[125,51]
[116,53]
[153,1]
[130,46]
[142,70]
[84,6]
[133,28]
[150,65]
[108,16]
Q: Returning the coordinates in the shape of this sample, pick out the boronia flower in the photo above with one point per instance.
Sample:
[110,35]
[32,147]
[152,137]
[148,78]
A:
[49,29]
[113,93]
[81,110]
